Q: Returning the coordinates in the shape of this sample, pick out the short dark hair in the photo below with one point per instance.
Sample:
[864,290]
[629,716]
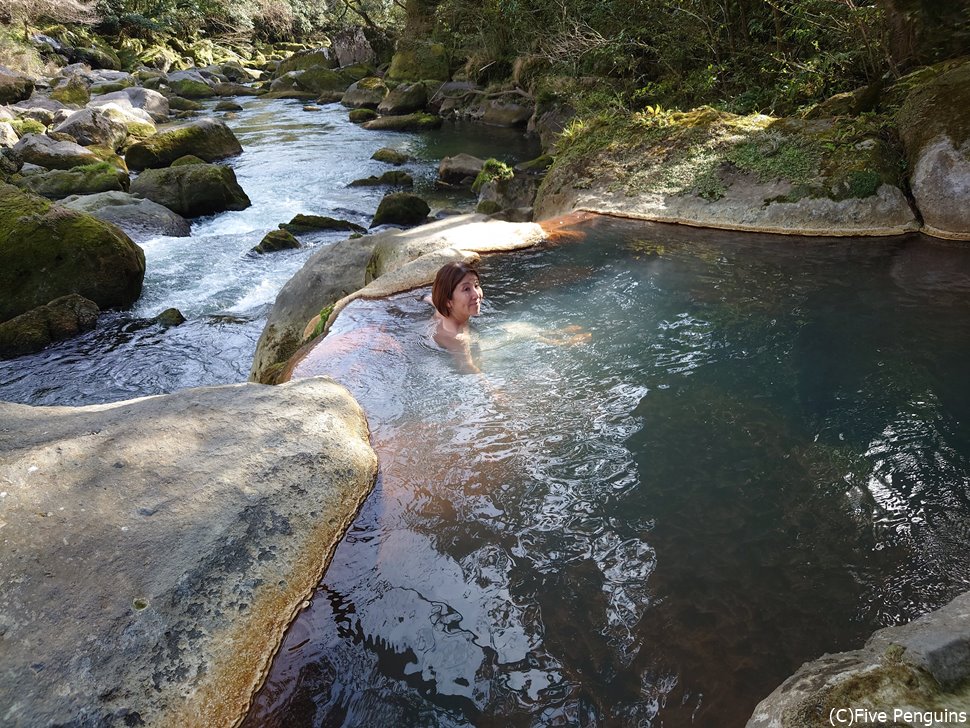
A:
[445,283]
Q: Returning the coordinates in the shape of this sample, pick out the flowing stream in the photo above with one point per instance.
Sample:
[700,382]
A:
[695,459]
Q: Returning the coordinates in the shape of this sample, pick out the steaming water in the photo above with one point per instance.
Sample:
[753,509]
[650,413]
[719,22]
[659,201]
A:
[760,453]
[293,162]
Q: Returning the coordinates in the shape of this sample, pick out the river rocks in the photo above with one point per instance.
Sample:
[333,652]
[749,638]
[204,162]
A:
[44,151]
[934,123]
[502,193]
[460,169]
[309,223]
[93,126]
[351,46]
[209,139]
[14,86]
[85,180]
[48,251]
[287,86]
[919,667]
[408,122]
[141,99]
[364,94]
[192,189]
[190,85]
[62,318]
[404,99]
[498,112]
[168,318]
[391,156]
[140,219]
[227,106]
[416,60]
[401,208]
[713,169]
[360,116]
[306,59]
[163,545]
[395,178]
[8,137]
[71,91]
[276,240]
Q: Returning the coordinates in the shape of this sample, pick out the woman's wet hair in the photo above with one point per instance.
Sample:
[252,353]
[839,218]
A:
[445,283]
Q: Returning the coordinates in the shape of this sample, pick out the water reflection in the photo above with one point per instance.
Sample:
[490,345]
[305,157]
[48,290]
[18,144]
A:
[758,454]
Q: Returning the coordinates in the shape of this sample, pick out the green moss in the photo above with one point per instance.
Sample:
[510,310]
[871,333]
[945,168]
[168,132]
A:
[416,60]
[75,91]
[488,207]
[86,179]
[27,126]
[308,223]
[359,116]
[938,107]
[190,89]
[322,323]
[371,83]
[493,169]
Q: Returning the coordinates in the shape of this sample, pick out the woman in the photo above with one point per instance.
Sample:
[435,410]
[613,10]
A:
[457,296]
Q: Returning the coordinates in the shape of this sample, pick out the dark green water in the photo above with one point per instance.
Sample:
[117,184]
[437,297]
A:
[759,454]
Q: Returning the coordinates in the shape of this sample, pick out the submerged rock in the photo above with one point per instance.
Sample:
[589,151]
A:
[60,319]
[169,317]
[48,251]
[209,139]
[140,219]
[192,189]
[156,550]
[394,177]
[408,122]
[391,156]
[307,223]
[920,667]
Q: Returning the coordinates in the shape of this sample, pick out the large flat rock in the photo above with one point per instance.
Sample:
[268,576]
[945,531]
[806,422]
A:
[153,552]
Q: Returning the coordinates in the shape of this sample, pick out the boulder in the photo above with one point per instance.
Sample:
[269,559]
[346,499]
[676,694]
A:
[404,99]
[934,124]
[922,667]
[98,57]
[192,190]
[416,60]
[361,116]
[350,46]
[94,126]
[364,94]
[395,178]
[72,91]
[408,122]
[48,251]
[287,87]
[85,180]
[309,223]
[276,240]
[714,169]
[14,86]
[8,137]
[62,318]
[169,317]
[391,156]
[318,81]
[209,139]
[177,103]
[460,169]
[497,112]
[303,60]
[516,193]
[194,526]
[143,100]
[234,89]
[227,106]
[190,85]
[140,219]
[43,151]
[401,208]
[134,121]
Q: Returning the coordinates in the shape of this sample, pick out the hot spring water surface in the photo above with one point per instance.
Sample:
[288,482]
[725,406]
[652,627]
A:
[753,451]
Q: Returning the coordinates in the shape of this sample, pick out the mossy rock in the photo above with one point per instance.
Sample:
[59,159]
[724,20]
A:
[276,240]
[14,86]
[228,106]
[318,80]
[401,208]
[47,152]
[191,89]
[308,223]
[169,318]
[73,91]
[395,178]
[416,60]
[192,190]
[110,87]
[488,207]
[24,126]
[391,156]
[180,103]
[60,319]
[361,116]
[407,122]
[367,93]
[537,165]
[85,180]
[406,98]
[48,251]
[187,159]
[307,59]
[209,139]
[99,57]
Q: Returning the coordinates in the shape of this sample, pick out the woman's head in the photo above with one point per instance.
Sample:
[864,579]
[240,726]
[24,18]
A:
[450,276]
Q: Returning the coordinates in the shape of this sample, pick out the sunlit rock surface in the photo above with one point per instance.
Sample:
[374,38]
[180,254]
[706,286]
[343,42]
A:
[152,552]
[921,668]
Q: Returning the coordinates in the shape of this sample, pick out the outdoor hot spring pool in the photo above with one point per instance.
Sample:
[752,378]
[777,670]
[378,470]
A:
[758,454]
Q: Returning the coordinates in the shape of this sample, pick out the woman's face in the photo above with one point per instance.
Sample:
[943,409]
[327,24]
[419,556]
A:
[466,299]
